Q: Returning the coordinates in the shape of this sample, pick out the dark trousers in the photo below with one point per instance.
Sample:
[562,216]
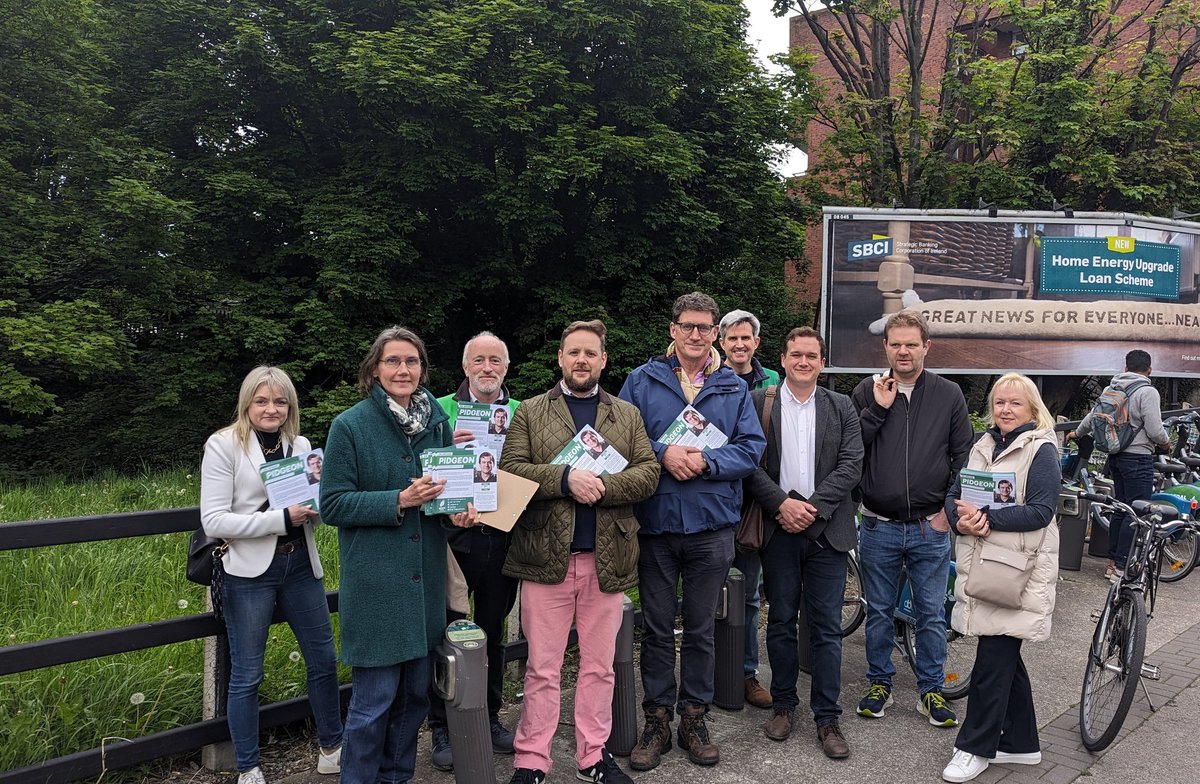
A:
[999,703]
[702,560]
[796,569]
[387,707]
[480,553]
[1133,480]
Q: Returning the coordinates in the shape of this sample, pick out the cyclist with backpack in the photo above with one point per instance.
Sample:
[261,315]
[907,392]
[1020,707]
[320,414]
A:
[1126,423]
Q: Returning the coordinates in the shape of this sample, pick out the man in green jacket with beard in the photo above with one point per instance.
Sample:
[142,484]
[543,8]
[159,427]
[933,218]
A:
[576,549]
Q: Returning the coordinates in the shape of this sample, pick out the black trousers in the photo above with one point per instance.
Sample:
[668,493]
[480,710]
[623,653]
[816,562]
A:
[480,552]
[999,703]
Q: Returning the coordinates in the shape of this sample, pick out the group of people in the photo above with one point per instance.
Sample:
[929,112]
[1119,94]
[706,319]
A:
[812,458]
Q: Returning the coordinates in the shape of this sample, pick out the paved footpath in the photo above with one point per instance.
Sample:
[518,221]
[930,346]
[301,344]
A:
[902,747]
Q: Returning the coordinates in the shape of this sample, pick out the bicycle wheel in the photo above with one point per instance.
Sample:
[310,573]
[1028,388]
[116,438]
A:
[1178,557]
[854,605]
[960,660]
[1113,668]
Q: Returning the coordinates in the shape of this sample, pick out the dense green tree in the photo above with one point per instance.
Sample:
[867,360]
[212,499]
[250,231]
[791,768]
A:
[276,181]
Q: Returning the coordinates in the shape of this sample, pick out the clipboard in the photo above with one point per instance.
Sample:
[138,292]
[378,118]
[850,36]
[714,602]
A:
[513,494]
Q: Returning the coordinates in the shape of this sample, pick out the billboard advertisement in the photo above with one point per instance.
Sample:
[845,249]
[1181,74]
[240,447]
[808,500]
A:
[1042,293]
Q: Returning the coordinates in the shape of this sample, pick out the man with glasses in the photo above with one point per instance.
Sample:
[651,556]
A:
[480,551]
[740,341]
[688,525]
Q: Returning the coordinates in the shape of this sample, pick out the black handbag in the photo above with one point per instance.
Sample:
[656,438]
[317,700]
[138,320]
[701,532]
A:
[204,557]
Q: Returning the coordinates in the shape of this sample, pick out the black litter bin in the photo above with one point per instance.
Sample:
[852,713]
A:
[1072,530]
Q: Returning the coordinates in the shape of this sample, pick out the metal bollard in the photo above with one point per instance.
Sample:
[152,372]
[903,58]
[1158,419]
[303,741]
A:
[730,642]
[460,678]
[624,702]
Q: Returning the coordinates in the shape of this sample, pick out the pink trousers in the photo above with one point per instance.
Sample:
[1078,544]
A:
[546,615]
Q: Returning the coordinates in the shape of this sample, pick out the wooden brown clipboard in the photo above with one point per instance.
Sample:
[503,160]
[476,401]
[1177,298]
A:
[513,494]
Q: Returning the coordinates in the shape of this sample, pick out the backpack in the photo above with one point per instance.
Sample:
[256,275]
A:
[1112,428]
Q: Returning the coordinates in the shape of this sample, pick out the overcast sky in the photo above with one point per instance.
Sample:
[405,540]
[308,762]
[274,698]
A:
[769,35]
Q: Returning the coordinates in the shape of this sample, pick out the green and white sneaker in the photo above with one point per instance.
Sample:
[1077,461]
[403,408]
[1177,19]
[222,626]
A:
[933,705]
[877,698]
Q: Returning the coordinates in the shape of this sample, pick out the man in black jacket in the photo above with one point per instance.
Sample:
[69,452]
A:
[917,435]
[812,463]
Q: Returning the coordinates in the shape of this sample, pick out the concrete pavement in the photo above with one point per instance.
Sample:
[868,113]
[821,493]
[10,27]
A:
[903,748]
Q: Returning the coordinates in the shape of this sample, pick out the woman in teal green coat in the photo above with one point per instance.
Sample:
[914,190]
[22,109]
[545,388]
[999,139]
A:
[393,557]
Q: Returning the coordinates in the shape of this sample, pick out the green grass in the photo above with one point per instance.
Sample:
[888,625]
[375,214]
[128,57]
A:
[57,591]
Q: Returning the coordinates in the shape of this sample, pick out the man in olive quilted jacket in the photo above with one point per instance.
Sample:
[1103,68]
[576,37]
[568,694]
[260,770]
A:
[575,549]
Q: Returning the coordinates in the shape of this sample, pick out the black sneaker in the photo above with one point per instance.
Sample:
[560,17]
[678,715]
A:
[605,771]
[877,698]
[441,758]
[503,739]
[528,776]
[933,705]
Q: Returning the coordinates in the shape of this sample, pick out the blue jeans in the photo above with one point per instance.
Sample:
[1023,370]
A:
[797,569]
[885,549]
[387,707]
[750,565]
[249,603]
[1133,480]
[703,560]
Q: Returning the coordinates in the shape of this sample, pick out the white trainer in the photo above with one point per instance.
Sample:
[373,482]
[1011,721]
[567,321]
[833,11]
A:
[252,776]
[330,763]
[964,766]
[1027,758]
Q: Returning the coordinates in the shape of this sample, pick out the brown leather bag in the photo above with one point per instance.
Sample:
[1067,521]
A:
[749,534]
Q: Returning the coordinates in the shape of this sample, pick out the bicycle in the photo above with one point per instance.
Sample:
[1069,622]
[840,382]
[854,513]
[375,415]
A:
[1115,658]
[960,649]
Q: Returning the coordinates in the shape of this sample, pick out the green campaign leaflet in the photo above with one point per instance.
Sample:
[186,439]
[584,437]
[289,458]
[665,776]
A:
[487,422]
[470,475]
[690,428]
[996,489]
[590,451]
[294,480]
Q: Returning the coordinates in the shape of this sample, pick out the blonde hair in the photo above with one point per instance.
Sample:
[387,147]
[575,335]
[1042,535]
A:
[1041,415]
[275,379]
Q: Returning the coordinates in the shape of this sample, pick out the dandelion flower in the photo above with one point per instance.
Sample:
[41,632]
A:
[294,656]
[75,603]
[181,604]
[137,698]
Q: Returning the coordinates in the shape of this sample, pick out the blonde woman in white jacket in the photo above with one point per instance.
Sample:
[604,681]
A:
[271,562]
[1019,447]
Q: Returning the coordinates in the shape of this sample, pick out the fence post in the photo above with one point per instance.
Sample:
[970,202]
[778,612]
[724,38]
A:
[217,756]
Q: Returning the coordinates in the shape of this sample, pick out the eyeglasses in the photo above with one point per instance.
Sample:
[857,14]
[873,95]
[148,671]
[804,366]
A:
[704,329]
[395,362]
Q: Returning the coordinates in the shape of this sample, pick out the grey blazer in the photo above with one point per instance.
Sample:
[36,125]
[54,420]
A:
[839,468]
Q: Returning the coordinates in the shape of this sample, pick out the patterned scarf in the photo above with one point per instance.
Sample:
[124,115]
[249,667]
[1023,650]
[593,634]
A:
[414,418]
[690,387]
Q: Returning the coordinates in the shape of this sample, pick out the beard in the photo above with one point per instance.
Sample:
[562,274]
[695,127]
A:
[586,385]
[488,386]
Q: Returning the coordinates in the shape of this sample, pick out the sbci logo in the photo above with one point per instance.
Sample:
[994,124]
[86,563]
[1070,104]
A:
[874,248]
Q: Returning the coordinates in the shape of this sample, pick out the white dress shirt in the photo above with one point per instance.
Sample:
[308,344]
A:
[798,442]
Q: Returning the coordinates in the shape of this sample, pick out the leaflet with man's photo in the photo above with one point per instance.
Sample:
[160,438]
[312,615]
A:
[485,478]
[488,424]
[457,466]
[294,480]
[590,451]
[988,488]
[690,428]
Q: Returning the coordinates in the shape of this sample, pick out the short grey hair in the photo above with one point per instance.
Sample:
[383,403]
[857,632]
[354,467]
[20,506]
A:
[697,301]
[735,317]
[484,334]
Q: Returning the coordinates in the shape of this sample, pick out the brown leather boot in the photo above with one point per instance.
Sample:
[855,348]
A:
[833,742]
[781,723]
[756,695]
[655,740]
[693,736]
